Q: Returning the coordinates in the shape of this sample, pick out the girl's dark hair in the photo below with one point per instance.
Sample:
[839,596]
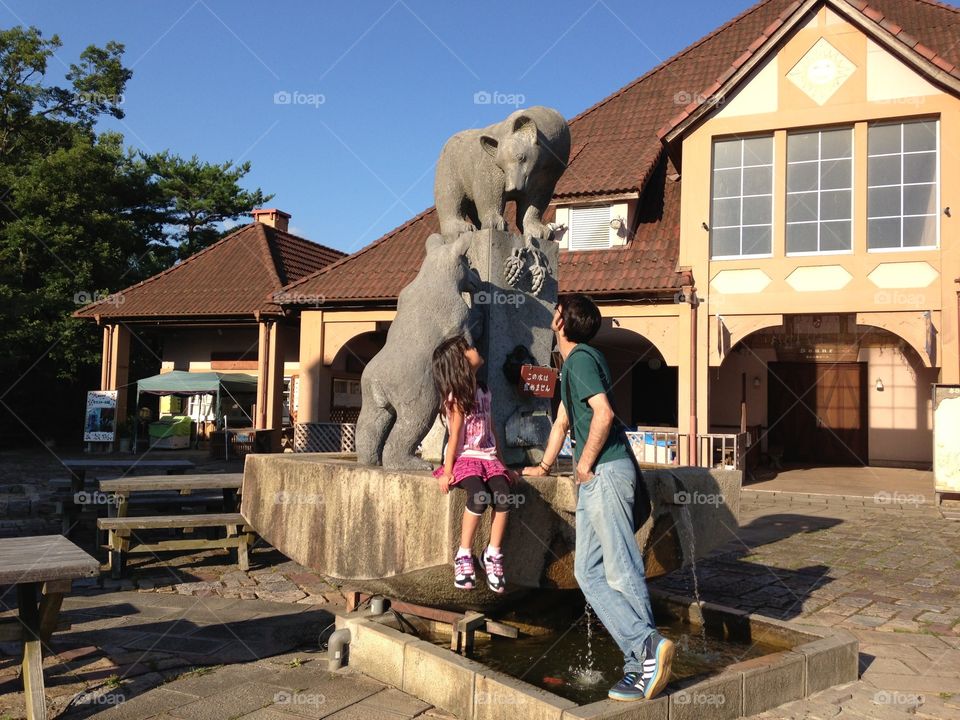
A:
[453,375]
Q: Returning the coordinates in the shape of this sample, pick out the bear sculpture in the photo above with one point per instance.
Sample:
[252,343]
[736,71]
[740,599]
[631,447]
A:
[399,399]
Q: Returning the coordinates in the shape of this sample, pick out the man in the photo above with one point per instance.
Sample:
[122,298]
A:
[609,564]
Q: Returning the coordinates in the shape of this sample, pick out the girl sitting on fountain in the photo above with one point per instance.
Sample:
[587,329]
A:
[472,460]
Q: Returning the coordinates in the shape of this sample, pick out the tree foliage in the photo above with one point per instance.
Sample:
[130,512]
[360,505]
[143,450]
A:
[82,216]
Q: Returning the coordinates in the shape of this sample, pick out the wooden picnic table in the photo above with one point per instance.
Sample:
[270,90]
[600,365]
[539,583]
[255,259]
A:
[43,568]
[118,506]
[78,476]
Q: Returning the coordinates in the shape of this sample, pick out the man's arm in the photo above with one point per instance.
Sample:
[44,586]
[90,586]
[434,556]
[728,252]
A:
[600,426]
[558,433]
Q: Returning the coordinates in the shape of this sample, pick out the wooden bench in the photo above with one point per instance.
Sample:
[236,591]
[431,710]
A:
[78,476]
[121,530]
[121,489]
[43,569]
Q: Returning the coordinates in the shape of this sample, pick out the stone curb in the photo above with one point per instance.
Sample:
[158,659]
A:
[814,658]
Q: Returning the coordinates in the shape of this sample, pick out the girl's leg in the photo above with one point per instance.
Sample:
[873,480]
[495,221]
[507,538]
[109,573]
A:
[502,500]
[476,496]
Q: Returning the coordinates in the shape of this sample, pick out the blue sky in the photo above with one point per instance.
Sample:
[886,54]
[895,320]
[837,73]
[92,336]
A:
[342,108]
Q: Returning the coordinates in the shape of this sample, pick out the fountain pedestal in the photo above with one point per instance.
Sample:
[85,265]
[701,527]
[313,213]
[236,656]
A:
[393,533]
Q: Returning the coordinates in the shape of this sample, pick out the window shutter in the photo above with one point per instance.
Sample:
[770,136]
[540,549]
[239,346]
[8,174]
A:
[590,228]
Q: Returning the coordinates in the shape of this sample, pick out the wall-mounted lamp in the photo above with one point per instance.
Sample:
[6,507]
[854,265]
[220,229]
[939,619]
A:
[617,224]
[756,382]
[879,385]
[705,226]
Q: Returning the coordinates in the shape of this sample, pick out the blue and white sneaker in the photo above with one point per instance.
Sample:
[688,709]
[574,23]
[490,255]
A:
[656,664]
[628,689]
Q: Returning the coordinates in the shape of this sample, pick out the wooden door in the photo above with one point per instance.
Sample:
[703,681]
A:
[842,413]
[817,412]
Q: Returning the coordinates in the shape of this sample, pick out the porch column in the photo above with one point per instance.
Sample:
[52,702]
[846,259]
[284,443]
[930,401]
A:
[311,368]
[263,375]
[115,364]
[274,383]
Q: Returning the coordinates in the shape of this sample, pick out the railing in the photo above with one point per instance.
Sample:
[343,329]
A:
[658,445]
[324,437]
[723,450]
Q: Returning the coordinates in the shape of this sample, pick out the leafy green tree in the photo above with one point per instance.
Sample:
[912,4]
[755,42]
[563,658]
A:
[81,216]
[199,196]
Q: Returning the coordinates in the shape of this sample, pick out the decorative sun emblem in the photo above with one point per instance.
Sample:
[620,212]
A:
[821,71]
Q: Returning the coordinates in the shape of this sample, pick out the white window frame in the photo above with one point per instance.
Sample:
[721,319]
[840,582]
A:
[773,206]
[818,222]
[571,240]
[936,181]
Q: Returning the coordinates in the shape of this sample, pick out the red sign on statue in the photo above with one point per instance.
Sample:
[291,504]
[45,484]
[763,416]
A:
[538,381]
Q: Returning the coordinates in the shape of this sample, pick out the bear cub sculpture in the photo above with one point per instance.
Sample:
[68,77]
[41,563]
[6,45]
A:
[399,399]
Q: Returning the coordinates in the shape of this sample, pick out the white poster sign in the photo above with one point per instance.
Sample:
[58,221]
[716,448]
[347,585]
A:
[100,420]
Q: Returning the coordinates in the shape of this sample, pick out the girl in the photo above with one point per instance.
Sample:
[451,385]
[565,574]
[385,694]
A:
[472,460]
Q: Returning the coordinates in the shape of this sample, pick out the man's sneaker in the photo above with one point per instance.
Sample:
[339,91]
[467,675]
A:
[628,689]
[464,576]
[656,665]
[493,568]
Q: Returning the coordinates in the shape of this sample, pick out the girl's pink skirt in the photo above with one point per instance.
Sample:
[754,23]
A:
[467,466]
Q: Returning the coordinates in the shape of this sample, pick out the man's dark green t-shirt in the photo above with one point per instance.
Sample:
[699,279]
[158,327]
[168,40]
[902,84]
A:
[585,374]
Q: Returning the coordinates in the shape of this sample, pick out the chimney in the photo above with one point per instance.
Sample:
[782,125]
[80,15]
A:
[272,217]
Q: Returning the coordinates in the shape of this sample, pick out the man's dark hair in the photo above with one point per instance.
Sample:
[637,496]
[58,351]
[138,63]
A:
[581,317]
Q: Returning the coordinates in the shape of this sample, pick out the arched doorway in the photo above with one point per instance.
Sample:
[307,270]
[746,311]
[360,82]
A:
[345,372]
[827,391]
[645,387]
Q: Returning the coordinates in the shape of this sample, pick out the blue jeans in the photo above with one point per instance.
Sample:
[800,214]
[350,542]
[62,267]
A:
[608,563]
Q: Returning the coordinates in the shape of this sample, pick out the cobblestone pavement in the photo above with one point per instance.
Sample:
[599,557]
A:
[891,576]
[185,636]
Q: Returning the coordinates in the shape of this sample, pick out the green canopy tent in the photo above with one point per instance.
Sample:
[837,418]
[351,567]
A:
[179,382]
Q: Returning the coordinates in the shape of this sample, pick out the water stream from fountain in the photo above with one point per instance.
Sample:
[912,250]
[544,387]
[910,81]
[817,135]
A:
[690,542]
[586,674]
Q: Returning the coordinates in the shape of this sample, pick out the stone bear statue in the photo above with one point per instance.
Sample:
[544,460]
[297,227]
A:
[399,399]
[520,159]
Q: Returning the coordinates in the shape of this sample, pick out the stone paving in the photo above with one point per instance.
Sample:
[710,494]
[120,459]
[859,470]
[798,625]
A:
[889,576]
[192,637]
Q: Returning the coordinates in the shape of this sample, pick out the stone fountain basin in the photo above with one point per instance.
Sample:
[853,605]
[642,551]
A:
[395,534]
[812,659]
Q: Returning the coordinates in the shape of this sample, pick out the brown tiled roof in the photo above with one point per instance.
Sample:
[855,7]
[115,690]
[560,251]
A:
[232,277]
[616,149]
[379,271]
